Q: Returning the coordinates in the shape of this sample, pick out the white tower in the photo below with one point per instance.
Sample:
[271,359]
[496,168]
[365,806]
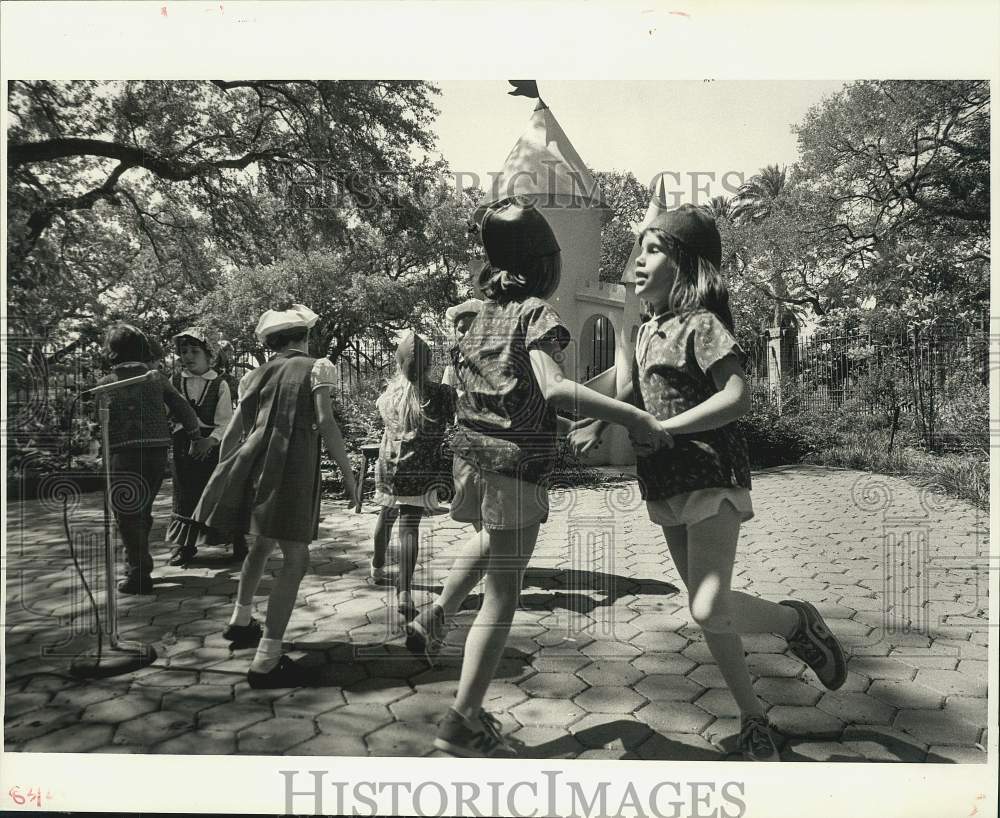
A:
[545,167]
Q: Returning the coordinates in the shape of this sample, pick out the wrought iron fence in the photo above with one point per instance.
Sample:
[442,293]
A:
[936,375]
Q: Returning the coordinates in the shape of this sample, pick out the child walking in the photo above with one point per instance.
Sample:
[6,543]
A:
[410,474]
[688,372]
[208,394]
[460,317]
[267,483]
[505,447]
[139,437]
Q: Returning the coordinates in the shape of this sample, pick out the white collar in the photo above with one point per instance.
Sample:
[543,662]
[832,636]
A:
[208,374]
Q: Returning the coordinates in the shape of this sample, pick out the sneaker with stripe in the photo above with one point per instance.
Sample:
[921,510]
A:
[474,738]
[814,644]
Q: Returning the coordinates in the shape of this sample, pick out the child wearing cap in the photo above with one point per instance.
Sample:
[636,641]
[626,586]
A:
[208,394]
[267,483]
[138,441]
[411,477]
[505,448]
[688,372]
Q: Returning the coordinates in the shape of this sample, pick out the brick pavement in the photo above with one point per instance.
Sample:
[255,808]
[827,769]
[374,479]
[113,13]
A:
[602,662]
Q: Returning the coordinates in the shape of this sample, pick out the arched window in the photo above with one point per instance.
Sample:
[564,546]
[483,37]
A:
[597,346]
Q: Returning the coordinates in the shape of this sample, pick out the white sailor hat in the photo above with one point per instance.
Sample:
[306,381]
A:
[295,317]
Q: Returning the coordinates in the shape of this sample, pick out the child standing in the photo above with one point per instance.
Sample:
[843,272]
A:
[504,454]
[139,436]
[267,482]
[410,473]
[208,394]
[687,371]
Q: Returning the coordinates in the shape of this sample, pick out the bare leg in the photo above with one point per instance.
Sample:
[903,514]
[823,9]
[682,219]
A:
[253,568]
[409,546]
[465,572]
[285,590]
[726,648]
[508,553]
[383,532]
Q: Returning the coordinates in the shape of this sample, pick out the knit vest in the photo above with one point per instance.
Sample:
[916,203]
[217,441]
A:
[137,414]
[205,407]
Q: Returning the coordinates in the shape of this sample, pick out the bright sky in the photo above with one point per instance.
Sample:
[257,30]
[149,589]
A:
[647,127]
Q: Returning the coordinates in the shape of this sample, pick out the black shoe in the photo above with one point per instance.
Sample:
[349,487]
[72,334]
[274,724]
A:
[136,584]
[182,555]
[285,674]
[244,636]
[240,549]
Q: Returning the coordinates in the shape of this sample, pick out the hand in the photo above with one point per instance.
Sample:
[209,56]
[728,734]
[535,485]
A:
[583,440]
[582,424]
[648,435]
[200,449]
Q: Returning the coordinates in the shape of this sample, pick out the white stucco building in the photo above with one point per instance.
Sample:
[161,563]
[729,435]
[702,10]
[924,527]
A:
[603,318]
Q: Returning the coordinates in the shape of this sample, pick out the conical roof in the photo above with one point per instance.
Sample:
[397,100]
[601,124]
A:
[657,205]
[545,166]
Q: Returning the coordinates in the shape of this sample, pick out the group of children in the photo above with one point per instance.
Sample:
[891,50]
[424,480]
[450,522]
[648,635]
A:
[501,394]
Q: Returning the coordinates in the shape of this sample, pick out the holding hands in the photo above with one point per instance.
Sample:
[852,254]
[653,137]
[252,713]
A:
[585,435]
[648,435]
[200,449]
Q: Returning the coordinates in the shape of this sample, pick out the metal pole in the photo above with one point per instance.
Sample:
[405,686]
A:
[110,596]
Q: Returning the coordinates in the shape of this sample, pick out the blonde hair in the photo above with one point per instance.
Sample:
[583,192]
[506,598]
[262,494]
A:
[406,394]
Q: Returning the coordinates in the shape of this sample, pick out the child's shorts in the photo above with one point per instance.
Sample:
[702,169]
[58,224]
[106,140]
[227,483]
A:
[496,501]
[697,506]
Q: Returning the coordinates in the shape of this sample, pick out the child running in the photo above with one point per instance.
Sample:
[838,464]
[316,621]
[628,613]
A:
[267,482]
[410,474]
[505,451]
[688,372]
[209,396]
[139,437]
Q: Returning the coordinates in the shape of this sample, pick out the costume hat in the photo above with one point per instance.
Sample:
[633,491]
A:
[297,316]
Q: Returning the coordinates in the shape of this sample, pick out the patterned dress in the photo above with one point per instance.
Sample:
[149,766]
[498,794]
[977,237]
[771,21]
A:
[505,424]
[670,375]
[412,468]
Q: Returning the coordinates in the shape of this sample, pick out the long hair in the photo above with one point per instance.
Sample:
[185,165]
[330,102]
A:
[698,283]
[538,277]
[407,397]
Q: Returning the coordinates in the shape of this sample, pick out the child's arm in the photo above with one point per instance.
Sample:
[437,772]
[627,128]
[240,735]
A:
[181,411]
[333,439]
[566,394]
[731,401]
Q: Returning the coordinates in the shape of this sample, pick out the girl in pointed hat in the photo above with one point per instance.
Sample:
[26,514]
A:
[688,372]
[411,476]
[505,448]
[267,483]
[209,396]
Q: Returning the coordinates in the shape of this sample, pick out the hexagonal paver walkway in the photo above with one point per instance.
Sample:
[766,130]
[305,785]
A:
[602,662]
